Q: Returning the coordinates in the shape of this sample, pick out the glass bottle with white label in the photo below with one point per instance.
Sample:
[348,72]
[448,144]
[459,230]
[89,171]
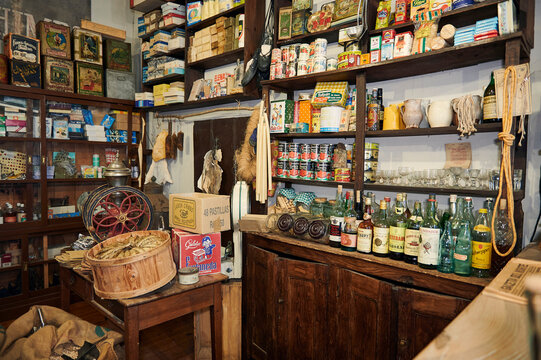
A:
[380,242]
[349,233]
[365,229]
[430,238]
[336,220]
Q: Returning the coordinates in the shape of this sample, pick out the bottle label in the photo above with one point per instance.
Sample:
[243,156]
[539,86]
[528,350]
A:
[429,246]
[349,240]
[460,257]
[367,216]
[364,240]
[397,235]
[10,219]
[399,211]
[489,107]
[335,228]
[411,243]
[481,228]
[373,112]
[381,240]
[481,252]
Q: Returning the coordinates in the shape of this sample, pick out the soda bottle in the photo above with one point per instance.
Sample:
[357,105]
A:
[481,246]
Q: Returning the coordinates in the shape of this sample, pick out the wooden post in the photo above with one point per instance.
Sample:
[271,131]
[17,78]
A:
[360,112]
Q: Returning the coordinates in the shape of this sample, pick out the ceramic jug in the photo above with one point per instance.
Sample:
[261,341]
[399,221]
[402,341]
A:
[412,113]
[391,117]
[439,113]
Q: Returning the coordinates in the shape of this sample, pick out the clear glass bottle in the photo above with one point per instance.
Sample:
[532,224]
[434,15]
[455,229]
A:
[430,238]
[503,239]
[365,229]
[349,233]
[407,211]
[380,243]
[458,219]
[463,251]
[445,262]
[317,207]
[413,234]
[481,246]
[489,205]
[10,215]
[337,220]
[468,212]
[397,230]
[448,214]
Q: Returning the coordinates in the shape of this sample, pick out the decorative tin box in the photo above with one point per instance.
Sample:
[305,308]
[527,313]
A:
[87,46]
[281,116]
[58,74]
[89,79]
[298,22]
[23,48]
[55,39]
[25,74]
[117,55]
[120,84]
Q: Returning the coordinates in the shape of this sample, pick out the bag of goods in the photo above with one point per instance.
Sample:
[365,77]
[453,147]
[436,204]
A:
[426,29]
[383,14]
[334,93]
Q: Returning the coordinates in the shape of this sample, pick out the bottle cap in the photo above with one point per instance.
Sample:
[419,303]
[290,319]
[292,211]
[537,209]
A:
[368,201]
[433,200]
[399,197]
[452,198]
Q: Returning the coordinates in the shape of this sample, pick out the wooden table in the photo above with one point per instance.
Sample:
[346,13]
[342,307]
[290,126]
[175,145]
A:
[134,315]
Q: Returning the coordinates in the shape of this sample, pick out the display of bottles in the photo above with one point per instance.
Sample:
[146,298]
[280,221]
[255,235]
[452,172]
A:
[397,230]
[381,108]
[10,215]
[380,243]
[446,256]
[336,220]
[372,123]
[365,229]
[359,206]
[503,239]
[412,237]
[21,213]
[481,246]
[430,238]
[349,233]
[490,110]
[448,214]
[463,251]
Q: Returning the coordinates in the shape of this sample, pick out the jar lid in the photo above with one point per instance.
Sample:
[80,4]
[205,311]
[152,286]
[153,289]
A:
[320,200]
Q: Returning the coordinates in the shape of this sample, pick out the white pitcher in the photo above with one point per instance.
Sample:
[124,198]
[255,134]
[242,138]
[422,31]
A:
[439,113]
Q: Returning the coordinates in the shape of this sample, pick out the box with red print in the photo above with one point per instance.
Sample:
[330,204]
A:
[197,250]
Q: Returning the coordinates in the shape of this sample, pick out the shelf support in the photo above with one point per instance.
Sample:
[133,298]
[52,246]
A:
[360,111]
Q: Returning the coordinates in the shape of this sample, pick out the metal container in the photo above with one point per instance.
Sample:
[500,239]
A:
[117,174]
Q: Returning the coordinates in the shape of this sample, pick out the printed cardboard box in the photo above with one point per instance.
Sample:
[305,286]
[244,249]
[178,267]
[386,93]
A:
[197,250]
[199,213]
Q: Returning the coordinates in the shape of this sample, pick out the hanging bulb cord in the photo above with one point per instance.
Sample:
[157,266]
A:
[506,168]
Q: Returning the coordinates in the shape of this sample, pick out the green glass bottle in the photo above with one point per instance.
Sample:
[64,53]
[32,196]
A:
[481,246]
[468,212]
[397,230]
[336,220]
[445,262]
[448,214]
[349,233]
[463,251]
[458,219]
[413,234]
[430,238]
[380,240]
[490,112]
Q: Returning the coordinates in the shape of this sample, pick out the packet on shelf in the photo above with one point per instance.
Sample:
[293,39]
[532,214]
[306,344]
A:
[330,94]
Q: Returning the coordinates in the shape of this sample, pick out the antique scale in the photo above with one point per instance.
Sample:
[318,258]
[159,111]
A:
[115,208]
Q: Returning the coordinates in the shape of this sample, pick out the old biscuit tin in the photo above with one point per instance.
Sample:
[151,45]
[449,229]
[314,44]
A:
[89,79]
[117,55]
[25,74]
[58,74]
[87,46]
[22,48]
[55,39]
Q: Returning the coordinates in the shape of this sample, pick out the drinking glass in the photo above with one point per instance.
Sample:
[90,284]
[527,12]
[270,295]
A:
[484,176]
[517,179]
[395,177]
[457,172]
[474,175]
[378,176]
[404,172]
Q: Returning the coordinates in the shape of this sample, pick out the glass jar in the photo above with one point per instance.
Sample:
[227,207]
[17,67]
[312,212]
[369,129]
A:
[317,207]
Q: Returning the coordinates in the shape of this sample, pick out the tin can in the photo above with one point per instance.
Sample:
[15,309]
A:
[370,166]
[371,154]
[304,52]
[306,171]
[276,55]
[312,49]
[272,72]
[343,56]
[283,150]
[291,69]
[282,169]
[342,174]
[96,160]
[310,66]
[342,64]
[320,47]
[332,64]
[305,152]
[323,171]
[325,153]
[285,53]
[352,46]
[294,168]
[320,64]
[369,145]
[302,68]
[280,68]
[294,151]
[354,58]
[294,52]
[314,152]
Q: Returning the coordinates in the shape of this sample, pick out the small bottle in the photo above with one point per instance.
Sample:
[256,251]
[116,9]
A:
[10,216]
[380,243]
[463,251]
[468,212]
[336,220]
[413,235]
[481,246]
[373,112]
[407,211]
[430,238]
[397,230]
[447,215]
[349,234]
[446,262]
[490,109]
[358,206]
[503,239]
[365,229]
[458,219]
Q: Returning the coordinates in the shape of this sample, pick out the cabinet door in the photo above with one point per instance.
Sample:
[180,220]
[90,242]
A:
[260,280]
[302,310]
[421,317]
[364,317]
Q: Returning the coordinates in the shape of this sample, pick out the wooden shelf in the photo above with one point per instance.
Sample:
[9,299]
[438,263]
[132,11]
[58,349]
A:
[453,57]
[165,28]
[9,182]
[170,77]
[41,262]
[148,5]
[331,34]
[18,139]
[452,130]
[437,190]
[323,135]
[203,103]
[314,182]
[212,20]
[218,60]
[11,268]
[177,53]
[86,142]
[77,180]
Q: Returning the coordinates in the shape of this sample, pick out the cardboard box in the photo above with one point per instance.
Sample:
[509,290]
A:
[199,213]
[202,251]
[281,116]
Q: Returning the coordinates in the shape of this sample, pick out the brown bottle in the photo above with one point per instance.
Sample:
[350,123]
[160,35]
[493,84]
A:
[365,229]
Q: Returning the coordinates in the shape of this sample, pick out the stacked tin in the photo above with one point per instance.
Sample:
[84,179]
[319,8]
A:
[371,153]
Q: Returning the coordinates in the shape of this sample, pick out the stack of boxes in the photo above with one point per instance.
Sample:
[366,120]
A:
[202,10]
[144,99]
[465,35]
[225,35]
[175,93]
[158,91]
[162,66]
[58,116]
[57,65]
[486,29]
[171,14]
[88,55]
[14,118]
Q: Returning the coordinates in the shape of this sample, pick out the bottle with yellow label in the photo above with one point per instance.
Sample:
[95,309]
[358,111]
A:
[380,240]
[397,230]
[481,246]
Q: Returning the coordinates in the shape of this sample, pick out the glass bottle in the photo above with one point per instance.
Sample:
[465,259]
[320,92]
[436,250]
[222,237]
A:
[503,239]
[336,220]
[1,215]
[358,206]
[21,213]
[445,262]
[463,251]
[373,112]
[381,108]
[349,233]
[411,243]
[397,230]
[481,246]
[468,212]
[380,243]
[489,205]
[458,219]
[430,238]
[490,110]
[365,229]
[407,211]
[10,215]
[388,203]
[448,214]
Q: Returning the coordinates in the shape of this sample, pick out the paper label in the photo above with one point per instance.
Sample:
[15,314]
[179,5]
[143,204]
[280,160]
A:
[458,155]
[429,246]
[397,236]
[481,253]
[411,242]
[364,240]
[381,240]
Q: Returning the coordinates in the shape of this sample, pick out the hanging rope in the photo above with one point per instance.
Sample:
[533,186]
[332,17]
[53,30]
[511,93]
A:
[506,168]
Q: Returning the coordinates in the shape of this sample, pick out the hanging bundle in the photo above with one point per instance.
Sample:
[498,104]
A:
[263,153]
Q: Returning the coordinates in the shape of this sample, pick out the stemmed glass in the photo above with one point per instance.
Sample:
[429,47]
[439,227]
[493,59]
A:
[404,172]
[474,175]
[457,172]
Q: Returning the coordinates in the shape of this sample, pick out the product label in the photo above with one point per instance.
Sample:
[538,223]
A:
[429,246]
[399,211]
[10,219]
[481,253]
[461,257]
[335,229]
[411,242]
[373,111]
[364,240]
[397,236]
[489,107]
[381,240]
[349,240]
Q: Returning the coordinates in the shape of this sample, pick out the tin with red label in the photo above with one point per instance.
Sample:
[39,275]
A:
[310,65]
[307,170]
[305,152]
[314,152]
[282,169]
[324,171]
[304,52]
[325,153]
[272,73]
[285,54]
[302,68]
[294,151]
[291,69]
[342,174]
[294,52]
[283,150]
[294,169]
[276,55]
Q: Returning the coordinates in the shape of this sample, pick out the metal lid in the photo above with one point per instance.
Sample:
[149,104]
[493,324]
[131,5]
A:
[188,271]
[116,169]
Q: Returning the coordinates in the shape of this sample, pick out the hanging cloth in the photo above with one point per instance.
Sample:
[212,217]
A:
[263,155]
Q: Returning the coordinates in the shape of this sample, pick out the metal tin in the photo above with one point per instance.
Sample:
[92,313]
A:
[58,74]
[276,55]
[282,169]
[323,171]
[368,176]
[320,47]
[310,66]
[332,64]
[117,55]
[314,152]
[294,52]
[285,54]
[306,171]
[354,58]
[291,69]
[117,174]
[305,152]
[302,68]
[188,275]
[342,64]
[22,48]
[294,169]
[87,46]
[89,79]
[320,64]
[352,46]
[120,84]
[294,151]
[325,153]
[369,145]
[55,39]
[371,154]
[283,150]
[280,70]
[342,174]
[272,74]
[370,166]
[25,74]
[304,52]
